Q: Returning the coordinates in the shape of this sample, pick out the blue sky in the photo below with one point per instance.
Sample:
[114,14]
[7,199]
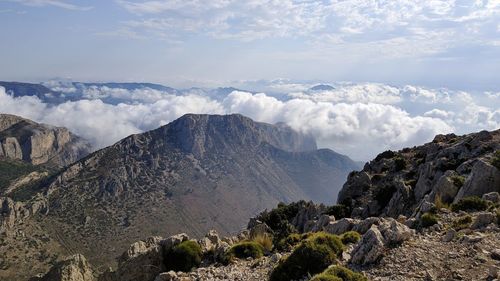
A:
[454,44]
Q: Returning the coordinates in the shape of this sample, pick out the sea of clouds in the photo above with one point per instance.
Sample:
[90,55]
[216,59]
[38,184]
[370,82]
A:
[356,119]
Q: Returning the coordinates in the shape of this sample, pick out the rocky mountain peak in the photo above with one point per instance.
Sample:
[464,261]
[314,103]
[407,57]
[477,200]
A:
[198,133]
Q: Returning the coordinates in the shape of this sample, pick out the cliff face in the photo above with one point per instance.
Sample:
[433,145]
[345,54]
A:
[447,169]
[37,144]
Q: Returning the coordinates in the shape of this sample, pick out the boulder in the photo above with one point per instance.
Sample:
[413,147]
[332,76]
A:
[166,276]
[394,233]
[74,268]
[341,226]
[356,183]
[484,178]
[445,188]
[370,249]
[483,219]
[260,230]
[323,221]
[492,197]
[170,242]
[363,226]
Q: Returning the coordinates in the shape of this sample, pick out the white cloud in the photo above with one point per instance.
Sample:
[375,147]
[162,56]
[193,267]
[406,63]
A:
[54,3]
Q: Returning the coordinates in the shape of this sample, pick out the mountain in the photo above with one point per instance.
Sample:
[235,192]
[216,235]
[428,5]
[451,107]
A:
[21,89]
[322,87]
[193,174]
[35,143]
[447,169]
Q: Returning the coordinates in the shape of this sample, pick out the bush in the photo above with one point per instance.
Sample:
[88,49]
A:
[312,256]
[245,250]
[345,274]
[462,223]
[325,277]
[496,159]
[264,240]
[458,180]
[184,257]
[350,237]
[289,242]
[428,219]
[399,164]
[472,203]
[339,211]
[279,219]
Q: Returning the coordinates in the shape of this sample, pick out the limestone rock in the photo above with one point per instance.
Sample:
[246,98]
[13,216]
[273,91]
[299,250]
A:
[170,242]
[370,249]
[492,197]
[483,219]
[341,226]
[74,268]
[484,178]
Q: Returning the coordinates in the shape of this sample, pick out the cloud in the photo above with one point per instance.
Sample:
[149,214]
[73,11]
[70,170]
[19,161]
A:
[54,3]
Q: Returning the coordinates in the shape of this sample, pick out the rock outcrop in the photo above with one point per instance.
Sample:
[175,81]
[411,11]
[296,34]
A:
[74,268]
[37,144]
[447,169]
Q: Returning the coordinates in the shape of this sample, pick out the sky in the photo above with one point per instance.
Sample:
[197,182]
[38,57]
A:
[401,71]
[450,43]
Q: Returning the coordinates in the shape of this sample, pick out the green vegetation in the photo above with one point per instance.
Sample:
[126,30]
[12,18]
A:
[13,169]
[496,159]
[350,237]
[312,256]
[458,180]
[472,203]
[184,257]
[339,211]
[245,250]
[289,242]
[428,219]
[399,164]
[462,223]
[325,277]
[341,273]
[265,240]
[279,219]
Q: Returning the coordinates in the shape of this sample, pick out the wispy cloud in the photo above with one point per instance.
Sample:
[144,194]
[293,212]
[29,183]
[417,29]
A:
[53,3]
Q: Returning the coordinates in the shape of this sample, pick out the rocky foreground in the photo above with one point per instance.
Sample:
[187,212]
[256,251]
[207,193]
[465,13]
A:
[459,245]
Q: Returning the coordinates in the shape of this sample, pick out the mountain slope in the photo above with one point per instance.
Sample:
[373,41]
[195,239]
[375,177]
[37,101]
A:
[196,173]
[447,169]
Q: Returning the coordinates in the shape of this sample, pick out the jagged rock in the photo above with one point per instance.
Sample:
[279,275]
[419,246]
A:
[142,261]
[483,219]
[259,230]
[394,232]
[340,226]
[495,254]
[170,242]
[484,178]
[321,223]
[220,251]
[426,206]
[74,268]
[356,183]
[166,276]
[370,249]
[445,188]
[306,213]
[493,197]
[363,226]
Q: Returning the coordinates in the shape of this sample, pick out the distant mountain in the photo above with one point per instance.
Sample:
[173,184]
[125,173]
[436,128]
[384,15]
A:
[19,89]
[128,86]
[196,173]
[322,87]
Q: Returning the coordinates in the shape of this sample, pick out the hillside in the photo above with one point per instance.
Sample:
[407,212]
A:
[196,173]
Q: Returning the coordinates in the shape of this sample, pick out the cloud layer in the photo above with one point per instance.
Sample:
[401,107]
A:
[359,120]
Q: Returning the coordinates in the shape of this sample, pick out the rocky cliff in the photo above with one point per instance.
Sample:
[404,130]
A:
[445,170]
[37,144]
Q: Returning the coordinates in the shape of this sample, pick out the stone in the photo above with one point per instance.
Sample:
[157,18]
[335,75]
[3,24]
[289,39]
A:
[340,226]
[484,178]
[483,219]
[323,221]
[426,206]
[394,232]
[166,276]
[445,188]
[260,230]
[495,254]
[493,197]
[370,249]
[450,234]
[74,268]
[174,240]
[363,226]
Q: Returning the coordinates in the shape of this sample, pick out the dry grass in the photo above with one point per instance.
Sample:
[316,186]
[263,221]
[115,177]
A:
[438,202]
[265,240]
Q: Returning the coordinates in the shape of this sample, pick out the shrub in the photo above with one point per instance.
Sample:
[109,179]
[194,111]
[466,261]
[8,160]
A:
[312,256]
[472,203]
[184,257]
[350,237]
[287,243]
[325,277]
[428,219]
[462,223]
[245,250]
[458,180]
[399,164]
[279,219]
[345,274]
[496,159]
[339,211]
[264,240]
